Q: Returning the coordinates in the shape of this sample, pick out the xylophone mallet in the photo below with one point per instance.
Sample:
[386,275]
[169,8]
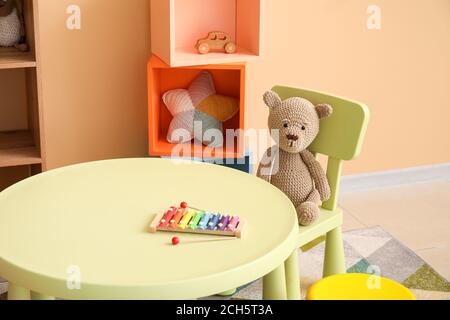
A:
[184,205]
[176,241]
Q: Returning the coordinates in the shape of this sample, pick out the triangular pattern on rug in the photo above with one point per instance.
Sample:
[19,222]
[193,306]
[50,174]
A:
[361,267]
[395,261]
[311,262]
[425,278]
[365,245]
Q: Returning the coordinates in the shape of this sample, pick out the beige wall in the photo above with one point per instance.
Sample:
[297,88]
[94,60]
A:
[94,79]
[401,72]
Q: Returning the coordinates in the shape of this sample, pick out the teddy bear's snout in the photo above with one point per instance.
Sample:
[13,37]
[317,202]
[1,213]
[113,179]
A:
[292,137]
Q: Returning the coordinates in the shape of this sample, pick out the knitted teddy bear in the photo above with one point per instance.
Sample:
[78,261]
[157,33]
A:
[289,165]
[12,30]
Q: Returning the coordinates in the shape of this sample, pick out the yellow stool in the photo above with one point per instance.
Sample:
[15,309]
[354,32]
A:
[356,286]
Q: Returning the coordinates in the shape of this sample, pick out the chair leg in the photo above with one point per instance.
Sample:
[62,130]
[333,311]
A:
[17,293]
[40,296]
[292,277]
[274,285]
[334,253]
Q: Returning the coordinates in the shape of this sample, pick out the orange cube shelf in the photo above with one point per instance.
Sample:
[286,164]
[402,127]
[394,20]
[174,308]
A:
[229,80]
[176,26]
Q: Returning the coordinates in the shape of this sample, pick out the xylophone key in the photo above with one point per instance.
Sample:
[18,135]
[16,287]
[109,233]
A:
[167,217]
[232,225]
[185,220]
[223,223]
[195,220]
[177,218]
[203,224]
[214,221]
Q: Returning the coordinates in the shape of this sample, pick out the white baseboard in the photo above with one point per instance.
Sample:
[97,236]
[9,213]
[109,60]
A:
[385,179]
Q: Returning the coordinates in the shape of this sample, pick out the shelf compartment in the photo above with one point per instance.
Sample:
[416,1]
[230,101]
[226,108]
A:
[17,148]
[16,139]
[14,106]
[178,24]
[229,80]
[16,60]
[21,149]
[11,58]
[19,157]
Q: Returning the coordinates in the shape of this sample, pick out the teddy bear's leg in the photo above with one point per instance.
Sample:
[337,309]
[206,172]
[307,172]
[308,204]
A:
[308,212]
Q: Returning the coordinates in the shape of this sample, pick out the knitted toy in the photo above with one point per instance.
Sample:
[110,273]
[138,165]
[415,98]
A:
[289,165]
[197,106]
[12,30]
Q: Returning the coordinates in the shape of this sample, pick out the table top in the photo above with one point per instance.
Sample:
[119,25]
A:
[94,218]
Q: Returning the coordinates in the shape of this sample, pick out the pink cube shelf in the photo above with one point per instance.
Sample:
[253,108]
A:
[176,26]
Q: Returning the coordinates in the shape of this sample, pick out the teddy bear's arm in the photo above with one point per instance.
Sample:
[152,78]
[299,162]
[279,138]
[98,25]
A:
[265,166]
[318,175]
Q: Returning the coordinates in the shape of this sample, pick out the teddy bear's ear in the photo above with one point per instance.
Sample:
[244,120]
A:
[324,110]
[272,99]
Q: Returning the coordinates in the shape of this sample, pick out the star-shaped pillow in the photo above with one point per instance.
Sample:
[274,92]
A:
[198,112]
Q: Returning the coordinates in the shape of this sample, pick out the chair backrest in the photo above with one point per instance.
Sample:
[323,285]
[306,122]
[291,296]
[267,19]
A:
[341,136]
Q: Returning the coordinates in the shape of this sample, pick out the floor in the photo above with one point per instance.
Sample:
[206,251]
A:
[418,215]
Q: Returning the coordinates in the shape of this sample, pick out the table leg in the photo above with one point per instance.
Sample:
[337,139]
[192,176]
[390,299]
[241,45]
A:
[292,277]
[18,293]
[40,296]
[274,285]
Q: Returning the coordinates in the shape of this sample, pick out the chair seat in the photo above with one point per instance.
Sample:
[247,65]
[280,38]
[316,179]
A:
[355,286]
[328,221]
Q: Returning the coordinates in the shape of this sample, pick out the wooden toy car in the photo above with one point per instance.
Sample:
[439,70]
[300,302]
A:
[216,41]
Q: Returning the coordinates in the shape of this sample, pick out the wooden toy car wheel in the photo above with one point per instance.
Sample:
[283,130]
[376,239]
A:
[230,47]
[203,48]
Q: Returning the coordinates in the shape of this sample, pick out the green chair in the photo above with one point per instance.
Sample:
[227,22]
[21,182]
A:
[341,137]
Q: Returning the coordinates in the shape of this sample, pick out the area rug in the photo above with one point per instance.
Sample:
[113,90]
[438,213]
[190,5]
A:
[3,287]
[371,250]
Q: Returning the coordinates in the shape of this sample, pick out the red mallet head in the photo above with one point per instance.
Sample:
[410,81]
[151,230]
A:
[175,241]
[183,205]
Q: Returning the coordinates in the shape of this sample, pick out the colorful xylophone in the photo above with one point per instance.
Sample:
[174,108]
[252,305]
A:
[191,220]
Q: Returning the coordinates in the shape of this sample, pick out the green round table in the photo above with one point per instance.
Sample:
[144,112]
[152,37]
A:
[81,232]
